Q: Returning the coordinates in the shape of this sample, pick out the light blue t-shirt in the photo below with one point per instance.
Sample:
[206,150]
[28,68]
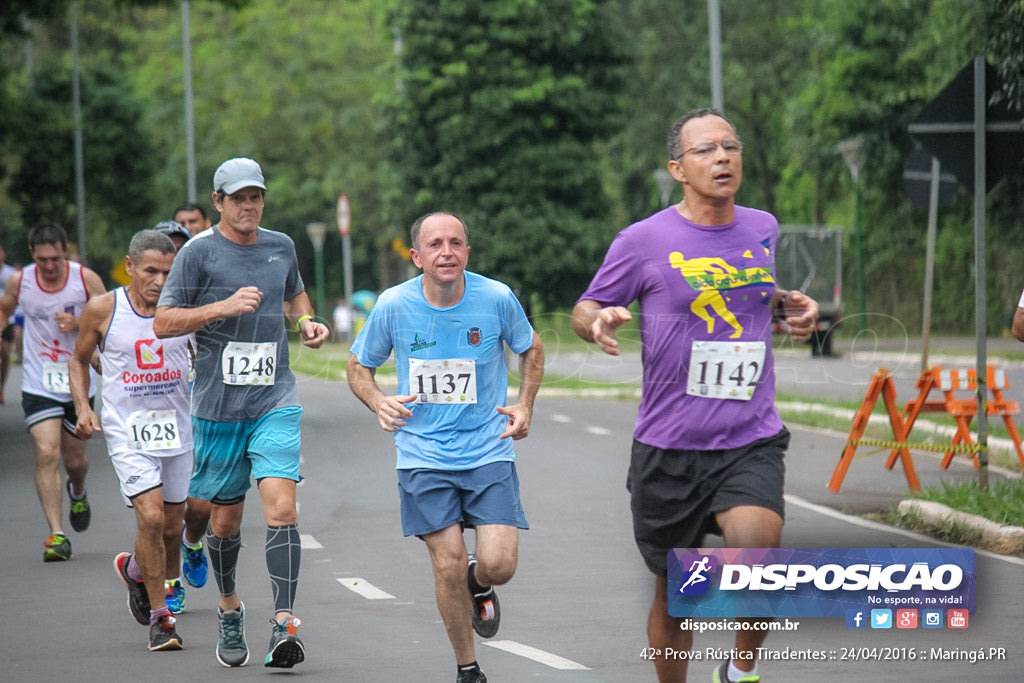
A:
[453,435]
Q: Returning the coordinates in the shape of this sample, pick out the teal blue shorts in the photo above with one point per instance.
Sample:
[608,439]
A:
[228,453]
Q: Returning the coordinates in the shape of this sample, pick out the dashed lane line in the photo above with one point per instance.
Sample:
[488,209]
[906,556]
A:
[309,543]
[539,656]
[365,588]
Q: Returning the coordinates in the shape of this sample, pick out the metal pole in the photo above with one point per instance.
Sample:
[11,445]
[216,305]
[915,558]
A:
[980,317]
[859,253]
[929,262]
[316,233]
[346,250]
[321,299]
[715,42]
[344,217]
[76,99]
[190,124]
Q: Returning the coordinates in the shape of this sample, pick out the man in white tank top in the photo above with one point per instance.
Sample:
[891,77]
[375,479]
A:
[52,292]
[146,423]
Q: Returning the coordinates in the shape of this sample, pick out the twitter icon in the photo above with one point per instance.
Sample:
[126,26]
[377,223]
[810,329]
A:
[881,618]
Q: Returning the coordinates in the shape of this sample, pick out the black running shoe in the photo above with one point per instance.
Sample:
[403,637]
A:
[138,598]
[474,675]
[286,650]
[81,514]
[486,611]
[162,635]
[58,548]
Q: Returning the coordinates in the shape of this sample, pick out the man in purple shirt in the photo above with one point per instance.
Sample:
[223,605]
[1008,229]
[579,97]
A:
[708,445]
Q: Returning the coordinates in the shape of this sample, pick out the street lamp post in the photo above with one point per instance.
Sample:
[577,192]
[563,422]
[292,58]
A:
[316,233]
[852,150]
[345,230]
[665,185]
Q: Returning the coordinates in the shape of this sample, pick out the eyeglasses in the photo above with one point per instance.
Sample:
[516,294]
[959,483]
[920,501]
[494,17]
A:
[706,149]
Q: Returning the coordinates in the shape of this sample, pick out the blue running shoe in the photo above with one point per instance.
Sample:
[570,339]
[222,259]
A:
[193,565]
[174,596]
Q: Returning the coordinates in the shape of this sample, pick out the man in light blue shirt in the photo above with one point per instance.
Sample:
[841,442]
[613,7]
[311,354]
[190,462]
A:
[448,329]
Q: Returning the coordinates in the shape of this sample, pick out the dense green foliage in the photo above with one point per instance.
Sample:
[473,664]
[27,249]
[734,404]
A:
[500,107]
[540,122]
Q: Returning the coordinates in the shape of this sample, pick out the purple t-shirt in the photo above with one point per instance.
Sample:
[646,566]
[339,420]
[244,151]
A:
[699,284]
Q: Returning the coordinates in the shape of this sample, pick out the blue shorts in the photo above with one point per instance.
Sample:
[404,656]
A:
[436,499]
[227,453]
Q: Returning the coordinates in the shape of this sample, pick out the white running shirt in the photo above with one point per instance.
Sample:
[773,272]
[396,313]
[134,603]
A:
[146,395]
[46,348]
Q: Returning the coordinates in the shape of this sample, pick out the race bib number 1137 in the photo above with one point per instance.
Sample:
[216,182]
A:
[447,381]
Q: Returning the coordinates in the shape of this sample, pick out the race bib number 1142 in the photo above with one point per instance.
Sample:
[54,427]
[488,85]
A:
[725,369]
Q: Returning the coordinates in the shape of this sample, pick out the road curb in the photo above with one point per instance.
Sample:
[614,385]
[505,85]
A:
[999,538]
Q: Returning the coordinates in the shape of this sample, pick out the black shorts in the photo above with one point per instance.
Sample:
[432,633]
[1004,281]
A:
[676,494]
[8,333]
[41,408]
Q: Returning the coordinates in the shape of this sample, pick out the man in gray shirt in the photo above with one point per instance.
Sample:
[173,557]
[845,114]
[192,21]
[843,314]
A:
[232,286]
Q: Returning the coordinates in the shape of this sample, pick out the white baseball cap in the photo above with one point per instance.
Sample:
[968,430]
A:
[235,174]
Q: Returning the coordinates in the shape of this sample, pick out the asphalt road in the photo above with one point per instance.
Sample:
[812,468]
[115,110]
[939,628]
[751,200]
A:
[574,612]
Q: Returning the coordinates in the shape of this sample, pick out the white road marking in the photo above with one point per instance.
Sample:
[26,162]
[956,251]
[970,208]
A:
[558,417]
[539,656]
[600,431]
[365,588]
[309,543]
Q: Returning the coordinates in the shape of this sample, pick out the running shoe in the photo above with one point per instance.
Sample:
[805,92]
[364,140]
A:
[138,599]
[486,611]
[474,675]
[193,565]
[174,596]
[286,650]
[81,514]
[721,675]
[58,548]
[231,648]
[162,635]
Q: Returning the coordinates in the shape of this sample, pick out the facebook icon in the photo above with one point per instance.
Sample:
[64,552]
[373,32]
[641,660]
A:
[855,619]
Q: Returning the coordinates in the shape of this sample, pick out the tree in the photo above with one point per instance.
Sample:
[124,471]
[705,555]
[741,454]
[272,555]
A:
[1006,42]
[500,109]
[297,87]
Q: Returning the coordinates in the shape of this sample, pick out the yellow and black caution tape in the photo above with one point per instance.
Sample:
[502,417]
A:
[919,446]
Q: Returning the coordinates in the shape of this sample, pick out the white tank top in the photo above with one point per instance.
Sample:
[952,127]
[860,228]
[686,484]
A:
[46,348]
[146,397]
